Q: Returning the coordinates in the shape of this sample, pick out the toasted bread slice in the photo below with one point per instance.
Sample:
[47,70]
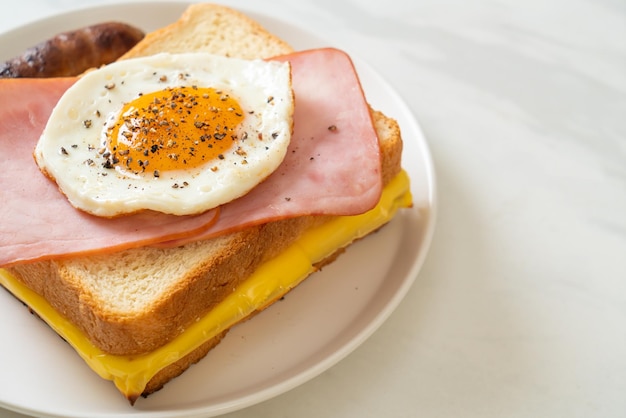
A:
[134,301]
[215,29]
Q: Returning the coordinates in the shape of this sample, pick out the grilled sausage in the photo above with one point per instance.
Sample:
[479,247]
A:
[71,53]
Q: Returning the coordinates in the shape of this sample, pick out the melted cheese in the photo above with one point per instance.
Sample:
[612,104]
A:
[271,281]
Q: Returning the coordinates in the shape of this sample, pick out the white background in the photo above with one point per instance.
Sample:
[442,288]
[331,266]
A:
[520,308]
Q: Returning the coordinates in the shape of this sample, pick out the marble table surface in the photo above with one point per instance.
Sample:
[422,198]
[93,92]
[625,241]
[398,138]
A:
[520,307]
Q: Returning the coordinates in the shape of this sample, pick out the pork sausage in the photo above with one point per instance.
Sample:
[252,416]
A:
[72,53]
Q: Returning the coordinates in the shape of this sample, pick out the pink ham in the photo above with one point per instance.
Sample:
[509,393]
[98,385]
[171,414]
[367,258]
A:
[332,167]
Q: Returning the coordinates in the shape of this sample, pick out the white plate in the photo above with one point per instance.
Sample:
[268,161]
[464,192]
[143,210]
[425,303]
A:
[317,324]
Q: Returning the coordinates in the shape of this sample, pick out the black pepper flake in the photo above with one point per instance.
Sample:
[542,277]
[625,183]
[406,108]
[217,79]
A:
[156,173]
[87,123]
[64,151]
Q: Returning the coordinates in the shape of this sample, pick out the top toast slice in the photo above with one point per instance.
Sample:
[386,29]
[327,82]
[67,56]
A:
[212,28]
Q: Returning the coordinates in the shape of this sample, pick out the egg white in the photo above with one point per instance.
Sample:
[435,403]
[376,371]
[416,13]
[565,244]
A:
[68,149]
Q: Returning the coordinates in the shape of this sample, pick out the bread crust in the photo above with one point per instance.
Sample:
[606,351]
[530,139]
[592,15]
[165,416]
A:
[176,369]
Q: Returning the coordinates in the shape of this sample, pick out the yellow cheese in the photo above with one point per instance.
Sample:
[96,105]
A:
[272,280]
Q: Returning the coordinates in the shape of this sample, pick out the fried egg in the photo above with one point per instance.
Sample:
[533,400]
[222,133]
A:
[174,133]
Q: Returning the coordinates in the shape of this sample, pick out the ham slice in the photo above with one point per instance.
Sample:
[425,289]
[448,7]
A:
[332,168]
[332,165]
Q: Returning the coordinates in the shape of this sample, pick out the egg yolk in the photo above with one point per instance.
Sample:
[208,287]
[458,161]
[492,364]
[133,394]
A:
[173,129]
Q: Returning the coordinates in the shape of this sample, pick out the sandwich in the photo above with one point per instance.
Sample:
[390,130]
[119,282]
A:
[150,290]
